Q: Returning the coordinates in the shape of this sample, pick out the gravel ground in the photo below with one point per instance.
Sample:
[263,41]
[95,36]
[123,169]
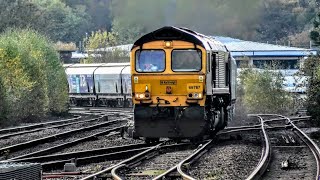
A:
[227,160]
[95,167]
[301,164]
[157,165]
[43,133]
[243,120]
[101,142]
[47,118]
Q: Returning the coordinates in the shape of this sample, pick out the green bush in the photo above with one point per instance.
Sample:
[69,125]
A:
[312,69]
[32,75]
[262,91]
[3,104]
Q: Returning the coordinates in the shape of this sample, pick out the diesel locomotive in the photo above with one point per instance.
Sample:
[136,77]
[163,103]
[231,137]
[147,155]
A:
[183,84]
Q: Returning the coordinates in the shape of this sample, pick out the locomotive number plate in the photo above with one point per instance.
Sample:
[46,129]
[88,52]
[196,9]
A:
[194,87]
[168,82]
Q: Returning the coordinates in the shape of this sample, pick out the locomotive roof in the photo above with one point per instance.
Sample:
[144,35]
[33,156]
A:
[177,33]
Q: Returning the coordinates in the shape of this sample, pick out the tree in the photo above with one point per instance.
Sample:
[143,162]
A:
[262,91]
[312,69]
[126,33]
[3,105]
[50,17]
[98,10]
[314,34]
[19,14]
[60,22]
[276,21]
[101,48]
[280,19]
[33,79]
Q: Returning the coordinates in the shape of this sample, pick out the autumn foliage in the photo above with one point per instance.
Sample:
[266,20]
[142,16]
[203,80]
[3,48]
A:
[33,82]
[261,91]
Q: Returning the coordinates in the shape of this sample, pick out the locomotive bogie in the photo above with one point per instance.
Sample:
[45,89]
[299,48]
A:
[172,122]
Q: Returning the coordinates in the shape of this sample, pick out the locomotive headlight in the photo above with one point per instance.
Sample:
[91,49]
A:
[142,96]
[142,91]
[195,96]
[167,44]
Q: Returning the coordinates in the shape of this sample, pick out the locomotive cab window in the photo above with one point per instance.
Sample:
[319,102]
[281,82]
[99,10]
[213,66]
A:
[186,60]
[150,61]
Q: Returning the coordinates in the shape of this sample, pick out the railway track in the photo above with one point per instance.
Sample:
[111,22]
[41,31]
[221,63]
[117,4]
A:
[56,161]
[295,155]
[24,129]
[154,162]
[182,160]
[61,140]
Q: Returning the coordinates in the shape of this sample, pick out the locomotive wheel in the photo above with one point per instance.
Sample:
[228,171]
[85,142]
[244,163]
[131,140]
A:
[222,120]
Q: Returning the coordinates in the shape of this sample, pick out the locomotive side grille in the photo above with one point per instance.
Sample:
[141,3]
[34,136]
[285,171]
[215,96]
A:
[220,71]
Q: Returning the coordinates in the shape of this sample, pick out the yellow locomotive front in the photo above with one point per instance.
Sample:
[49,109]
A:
[183,84]
[168,85]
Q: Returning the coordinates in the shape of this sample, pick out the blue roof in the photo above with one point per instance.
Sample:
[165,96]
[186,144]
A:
[240,48]
[249,48]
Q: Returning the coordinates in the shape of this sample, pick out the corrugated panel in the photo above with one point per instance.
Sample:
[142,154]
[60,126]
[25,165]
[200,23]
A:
[255,46]
[221,70]
[249,48]
[20,171]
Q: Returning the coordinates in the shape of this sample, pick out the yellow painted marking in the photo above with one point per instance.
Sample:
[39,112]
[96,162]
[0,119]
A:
[142,88]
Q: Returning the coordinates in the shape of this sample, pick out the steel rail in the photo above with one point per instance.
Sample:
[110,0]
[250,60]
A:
[92,176]
[45,128]
[193,156]
[265,157]
[133,161]
[94,158]
[147,156]
[79,154]
[33,156]
[311,144]
[114,174]
[20,128]
[226,131]
[163,175]
[31,143]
